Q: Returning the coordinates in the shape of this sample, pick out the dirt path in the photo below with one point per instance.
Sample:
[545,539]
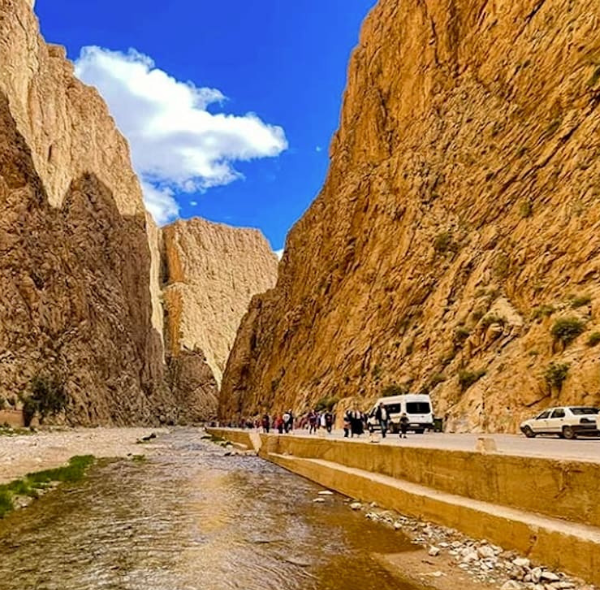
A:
[23,454]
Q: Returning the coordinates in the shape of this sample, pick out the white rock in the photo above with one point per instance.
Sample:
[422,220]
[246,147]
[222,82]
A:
[485,551]
[356,505]
[319,500]
[522,562]
[397,525]
[550,577]
[470,557]
[511,585]
[433,551]
[325,493]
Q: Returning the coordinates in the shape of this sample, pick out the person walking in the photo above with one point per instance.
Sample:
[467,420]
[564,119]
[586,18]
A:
[356,423]
[279,424]
[313,419]
[347,423]
[328,416]
[381,416]
[403,425]
[266,423]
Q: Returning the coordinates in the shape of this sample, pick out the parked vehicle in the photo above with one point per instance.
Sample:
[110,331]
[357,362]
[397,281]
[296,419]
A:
[566,421]
[417,407]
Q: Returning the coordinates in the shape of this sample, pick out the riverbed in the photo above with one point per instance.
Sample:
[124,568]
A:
[190,518]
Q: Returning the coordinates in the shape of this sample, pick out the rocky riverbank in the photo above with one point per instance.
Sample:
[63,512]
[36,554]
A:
[24,454]
[450,560]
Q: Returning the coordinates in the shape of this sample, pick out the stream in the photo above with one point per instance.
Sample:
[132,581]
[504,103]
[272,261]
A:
[190,518]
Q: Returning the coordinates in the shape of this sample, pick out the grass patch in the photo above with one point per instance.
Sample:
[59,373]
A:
[542,311]
[566,330]
[466,378]
[32,483]
[580,301]
[594,339]
[555,374]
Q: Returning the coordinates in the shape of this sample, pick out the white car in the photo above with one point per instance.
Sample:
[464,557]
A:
[565,421]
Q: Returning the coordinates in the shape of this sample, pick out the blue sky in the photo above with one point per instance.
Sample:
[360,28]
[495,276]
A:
[285,61]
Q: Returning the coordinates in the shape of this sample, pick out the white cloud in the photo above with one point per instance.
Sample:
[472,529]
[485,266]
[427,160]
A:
[177,145]
[160,202]
[318,149]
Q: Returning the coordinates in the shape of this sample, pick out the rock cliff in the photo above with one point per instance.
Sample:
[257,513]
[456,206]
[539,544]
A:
[211,272]
[82,265]
[75,261]
[454,247]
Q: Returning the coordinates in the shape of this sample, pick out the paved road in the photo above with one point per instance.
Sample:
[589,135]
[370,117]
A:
[582,449]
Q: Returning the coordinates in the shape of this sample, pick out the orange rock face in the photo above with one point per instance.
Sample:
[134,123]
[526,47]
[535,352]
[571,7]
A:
[211,271]
[458,226]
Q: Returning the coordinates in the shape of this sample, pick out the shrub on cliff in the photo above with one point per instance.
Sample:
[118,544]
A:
[394,389]
[555,374]
[47,398]
[566,330]
[466,378]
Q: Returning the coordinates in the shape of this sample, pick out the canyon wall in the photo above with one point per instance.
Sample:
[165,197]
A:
[454,248]
[83,266]
[75,261]
[211,272]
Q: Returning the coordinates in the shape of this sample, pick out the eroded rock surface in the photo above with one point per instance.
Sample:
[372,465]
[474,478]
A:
[458,223]
[74,255]
[211,272]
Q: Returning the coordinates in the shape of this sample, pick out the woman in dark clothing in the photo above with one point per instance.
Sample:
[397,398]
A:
[403,425]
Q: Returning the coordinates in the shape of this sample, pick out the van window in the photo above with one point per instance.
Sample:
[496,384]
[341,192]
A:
[392,408]
[418,408]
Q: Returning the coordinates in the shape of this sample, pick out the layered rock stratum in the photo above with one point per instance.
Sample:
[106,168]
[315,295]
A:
[454,247]
[81,262]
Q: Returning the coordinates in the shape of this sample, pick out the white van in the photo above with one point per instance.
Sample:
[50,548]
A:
[416,406]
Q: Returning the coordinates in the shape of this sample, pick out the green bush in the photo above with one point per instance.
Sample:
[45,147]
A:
[326,404]
[47,398]
[492,318]
[461,333]
[394,389]
[555,374]
[566,330]
[526,209]
[542,311]
[594,339]
[443,243]
[466,378]
[580,301]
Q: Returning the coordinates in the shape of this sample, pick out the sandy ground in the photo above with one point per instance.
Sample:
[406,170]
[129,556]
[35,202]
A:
[23,454]
[582,449]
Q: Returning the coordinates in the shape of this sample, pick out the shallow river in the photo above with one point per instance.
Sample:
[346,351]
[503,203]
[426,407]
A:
[191,519]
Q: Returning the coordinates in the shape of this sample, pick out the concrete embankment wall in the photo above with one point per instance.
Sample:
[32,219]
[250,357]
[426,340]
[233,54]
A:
[546,509]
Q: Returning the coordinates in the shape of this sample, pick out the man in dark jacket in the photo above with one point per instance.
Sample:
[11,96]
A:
[382,418]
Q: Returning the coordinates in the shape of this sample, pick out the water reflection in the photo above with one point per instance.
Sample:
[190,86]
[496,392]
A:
[191,519]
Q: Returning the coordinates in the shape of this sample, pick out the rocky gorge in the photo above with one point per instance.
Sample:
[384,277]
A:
[453,248]
[131,322]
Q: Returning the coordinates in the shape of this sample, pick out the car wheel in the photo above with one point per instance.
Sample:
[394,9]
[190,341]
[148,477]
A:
[420,430]
[568,433]
[528,432]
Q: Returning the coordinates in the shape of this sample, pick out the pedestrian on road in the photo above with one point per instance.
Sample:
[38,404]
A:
[288,421]
[356,423]
[313,420]
[381,416]
[328,421]
[279,424]
[403,425]
[266,423]
[347,423]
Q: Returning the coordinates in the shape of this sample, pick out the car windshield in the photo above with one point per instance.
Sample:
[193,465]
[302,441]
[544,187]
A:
[584,411]
[418,408]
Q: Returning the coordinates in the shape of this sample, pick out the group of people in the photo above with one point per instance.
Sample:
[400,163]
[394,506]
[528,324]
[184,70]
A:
[355,422]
